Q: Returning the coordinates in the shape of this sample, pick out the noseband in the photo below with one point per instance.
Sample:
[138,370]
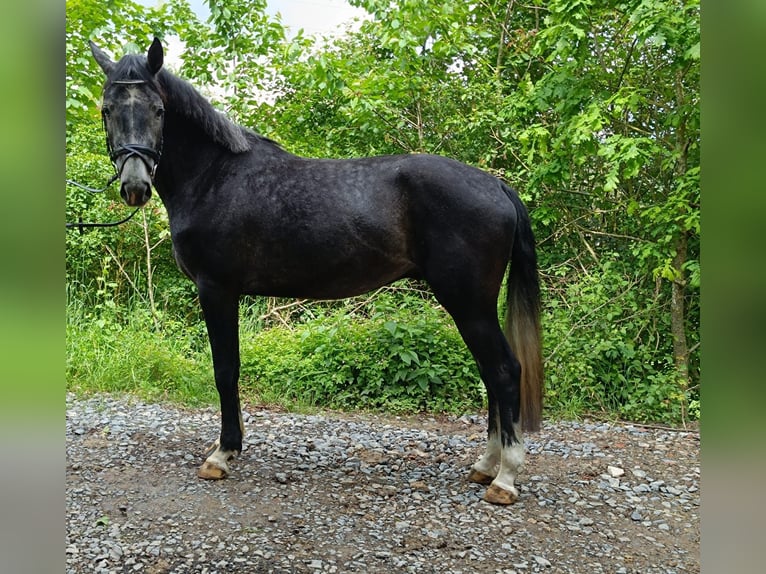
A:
[150,156]
[144,153]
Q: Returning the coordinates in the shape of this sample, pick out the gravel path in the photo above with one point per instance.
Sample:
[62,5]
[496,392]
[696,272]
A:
[346,493]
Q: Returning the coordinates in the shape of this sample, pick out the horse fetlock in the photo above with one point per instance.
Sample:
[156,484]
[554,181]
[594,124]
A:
[479,477]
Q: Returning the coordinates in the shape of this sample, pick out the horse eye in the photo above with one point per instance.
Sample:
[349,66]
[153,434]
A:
[160,112]
[105,111]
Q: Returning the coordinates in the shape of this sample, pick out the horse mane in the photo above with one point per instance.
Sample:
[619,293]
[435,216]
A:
[185,100]
[188,102]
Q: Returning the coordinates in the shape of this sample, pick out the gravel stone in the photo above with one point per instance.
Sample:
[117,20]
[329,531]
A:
[615,471]
[370,494]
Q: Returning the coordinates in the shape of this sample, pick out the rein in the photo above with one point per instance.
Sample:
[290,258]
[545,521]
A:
[93,189]
[80,225]
[142,152]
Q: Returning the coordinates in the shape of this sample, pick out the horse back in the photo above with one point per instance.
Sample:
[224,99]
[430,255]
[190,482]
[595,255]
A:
[334,228]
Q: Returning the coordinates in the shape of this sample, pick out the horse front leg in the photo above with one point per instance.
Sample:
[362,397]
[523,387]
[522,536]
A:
[220,309]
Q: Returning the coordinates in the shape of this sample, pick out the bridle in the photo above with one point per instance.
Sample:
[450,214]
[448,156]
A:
[144,153]
[148,155]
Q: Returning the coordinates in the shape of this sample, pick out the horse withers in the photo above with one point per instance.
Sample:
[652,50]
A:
[247,217]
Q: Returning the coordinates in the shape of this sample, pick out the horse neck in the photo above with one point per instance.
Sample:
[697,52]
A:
[186,155]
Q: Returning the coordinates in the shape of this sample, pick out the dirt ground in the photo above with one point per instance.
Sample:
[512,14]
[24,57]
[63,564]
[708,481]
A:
[354,493]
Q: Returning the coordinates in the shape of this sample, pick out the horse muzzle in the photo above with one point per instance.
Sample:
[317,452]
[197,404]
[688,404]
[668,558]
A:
[136,172]
[136,193]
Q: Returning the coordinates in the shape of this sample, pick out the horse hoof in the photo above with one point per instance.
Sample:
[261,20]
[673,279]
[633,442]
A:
[497,495]
[479,477]
[211,472]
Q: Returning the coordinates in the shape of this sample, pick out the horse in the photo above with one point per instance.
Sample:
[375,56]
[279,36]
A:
[247,217]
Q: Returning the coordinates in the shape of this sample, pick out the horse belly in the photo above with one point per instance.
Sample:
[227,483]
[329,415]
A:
[326,274]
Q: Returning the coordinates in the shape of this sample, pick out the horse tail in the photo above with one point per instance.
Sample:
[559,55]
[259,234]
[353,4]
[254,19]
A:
[522,317]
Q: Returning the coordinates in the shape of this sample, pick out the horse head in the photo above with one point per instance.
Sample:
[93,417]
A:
[133,115]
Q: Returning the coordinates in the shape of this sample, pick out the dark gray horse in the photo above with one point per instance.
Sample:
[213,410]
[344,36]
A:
[247,217]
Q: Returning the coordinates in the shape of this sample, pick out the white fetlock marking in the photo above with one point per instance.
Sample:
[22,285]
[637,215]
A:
[488,462]
[511,463]
[220,458]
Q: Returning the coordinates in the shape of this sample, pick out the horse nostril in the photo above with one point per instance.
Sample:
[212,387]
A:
[136,194]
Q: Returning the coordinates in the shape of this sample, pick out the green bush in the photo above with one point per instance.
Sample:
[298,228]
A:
[604,352]
[394,360]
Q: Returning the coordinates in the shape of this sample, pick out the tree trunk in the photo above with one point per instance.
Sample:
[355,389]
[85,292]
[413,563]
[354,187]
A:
[677,307]
[678,322]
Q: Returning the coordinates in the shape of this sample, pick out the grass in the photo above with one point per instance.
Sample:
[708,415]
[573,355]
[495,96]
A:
[332,361]
[106,357]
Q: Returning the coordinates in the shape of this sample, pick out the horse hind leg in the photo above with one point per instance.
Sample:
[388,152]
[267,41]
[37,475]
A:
[467,285]
[498,468]
[502,489]
[485,469]
[500,371]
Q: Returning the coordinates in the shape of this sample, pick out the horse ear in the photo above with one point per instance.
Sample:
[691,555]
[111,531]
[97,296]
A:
[101,58]
[155,56]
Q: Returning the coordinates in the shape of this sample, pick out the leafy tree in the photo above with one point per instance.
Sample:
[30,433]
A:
[589,108]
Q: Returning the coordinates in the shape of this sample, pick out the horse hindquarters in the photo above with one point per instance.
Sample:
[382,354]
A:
[465,264]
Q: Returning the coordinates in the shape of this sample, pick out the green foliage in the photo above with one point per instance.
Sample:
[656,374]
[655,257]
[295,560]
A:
[397,353]
[109,352]
[602,349]
[590,109]
[395,359]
